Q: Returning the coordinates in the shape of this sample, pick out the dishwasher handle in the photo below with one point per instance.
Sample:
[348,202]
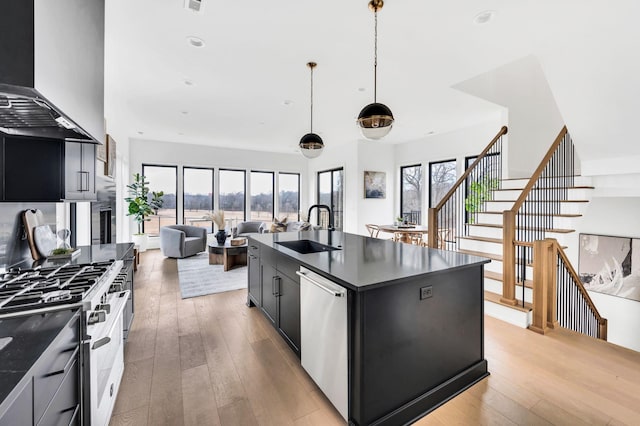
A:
[336,293]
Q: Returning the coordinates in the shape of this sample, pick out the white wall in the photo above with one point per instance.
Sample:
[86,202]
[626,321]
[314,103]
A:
[534,117]
[616,216]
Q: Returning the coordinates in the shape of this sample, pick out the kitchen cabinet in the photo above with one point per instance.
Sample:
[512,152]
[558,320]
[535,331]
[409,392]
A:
[31,169]
[48,392]
[79,171]
[279,291]
[254,298]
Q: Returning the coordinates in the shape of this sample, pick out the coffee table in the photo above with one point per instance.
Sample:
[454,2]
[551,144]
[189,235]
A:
[227,255]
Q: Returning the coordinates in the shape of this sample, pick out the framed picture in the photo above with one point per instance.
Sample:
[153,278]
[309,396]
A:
[375,185]
[110,165]
[101,150]
[610,265]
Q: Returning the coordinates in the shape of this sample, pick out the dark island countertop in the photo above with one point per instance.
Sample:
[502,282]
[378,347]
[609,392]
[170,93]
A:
[30,337]
[88,254]
[364,263]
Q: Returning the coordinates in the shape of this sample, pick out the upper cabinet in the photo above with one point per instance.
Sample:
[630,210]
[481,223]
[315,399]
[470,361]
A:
[79,171]
[40,169]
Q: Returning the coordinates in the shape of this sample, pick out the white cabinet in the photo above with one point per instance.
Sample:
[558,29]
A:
[80,171]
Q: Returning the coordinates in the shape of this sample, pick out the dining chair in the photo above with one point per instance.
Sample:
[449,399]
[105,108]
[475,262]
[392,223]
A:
[374,230]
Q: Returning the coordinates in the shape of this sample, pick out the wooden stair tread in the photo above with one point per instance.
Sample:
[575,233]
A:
[537,214]
[496,226]
[495,298]
[484,239]
[491,256]
[541,189]
[548,201]
[498,277]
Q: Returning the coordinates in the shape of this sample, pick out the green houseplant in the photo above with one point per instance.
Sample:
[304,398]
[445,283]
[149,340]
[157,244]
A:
[479,193]
[142,204]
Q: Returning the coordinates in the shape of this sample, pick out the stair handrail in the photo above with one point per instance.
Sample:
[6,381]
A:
[558,158]
[435,238]
[550,259]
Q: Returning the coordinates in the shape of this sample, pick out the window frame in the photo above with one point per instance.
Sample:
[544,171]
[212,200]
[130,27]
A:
[332,171]
[299,183]
[454,160]
[213,181]
[273,192]
[176,187]
[402,188]
[244,172]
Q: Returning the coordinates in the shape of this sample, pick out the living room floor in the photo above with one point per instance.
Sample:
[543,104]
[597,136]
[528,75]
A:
[211,360]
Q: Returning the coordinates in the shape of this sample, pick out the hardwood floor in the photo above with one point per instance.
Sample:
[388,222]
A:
[212,361]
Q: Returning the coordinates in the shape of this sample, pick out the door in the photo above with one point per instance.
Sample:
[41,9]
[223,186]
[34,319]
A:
[254,278]
[289,310]
[269,294]
[72,169]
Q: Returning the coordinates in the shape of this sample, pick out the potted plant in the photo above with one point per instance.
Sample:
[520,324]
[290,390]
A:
[142,204]
[479,193]
[218,218]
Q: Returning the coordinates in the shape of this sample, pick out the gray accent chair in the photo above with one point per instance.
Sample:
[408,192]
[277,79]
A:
[244,229]
[182,240]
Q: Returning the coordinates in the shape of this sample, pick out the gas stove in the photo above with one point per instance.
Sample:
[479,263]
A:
[41,288]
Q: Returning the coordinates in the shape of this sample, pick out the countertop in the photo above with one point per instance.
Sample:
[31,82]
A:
[31,336]
[364,263]
[88,254]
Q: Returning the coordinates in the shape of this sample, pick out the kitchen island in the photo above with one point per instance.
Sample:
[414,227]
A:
[414,317]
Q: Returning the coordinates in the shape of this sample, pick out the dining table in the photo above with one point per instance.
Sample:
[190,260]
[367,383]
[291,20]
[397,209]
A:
[405,233]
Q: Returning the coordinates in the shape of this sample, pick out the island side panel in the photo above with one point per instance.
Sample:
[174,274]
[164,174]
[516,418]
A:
[404,346]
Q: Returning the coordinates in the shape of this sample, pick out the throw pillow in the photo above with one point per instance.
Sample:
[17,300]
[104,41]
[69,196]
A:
[305,226]
[278,226]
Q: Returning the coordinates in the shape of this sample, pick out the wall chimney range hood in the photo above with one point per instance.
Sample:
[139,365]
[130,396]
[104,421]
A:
[52,69]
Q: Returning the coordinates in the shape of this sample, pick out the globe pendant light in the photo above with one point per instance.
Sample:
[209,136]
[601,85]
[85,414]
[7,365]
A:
[375,120]
[311,145]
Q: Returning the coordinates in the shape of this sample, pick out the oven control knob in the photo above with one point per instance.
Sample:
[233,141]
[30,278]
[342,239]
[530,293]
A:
[97,316]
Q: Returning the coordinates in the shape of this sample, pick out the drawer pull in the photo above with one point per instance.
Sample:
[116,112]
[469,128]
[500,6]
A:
[67,365]
[101,342]
[75,414]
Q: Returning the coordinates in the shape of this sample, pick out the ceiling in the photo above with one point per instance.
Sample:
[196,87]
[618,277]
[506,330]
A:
[250,84]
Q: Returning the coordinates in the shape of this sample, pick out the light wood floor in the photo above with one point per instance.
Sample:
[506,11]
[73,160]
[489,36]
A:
[212,361]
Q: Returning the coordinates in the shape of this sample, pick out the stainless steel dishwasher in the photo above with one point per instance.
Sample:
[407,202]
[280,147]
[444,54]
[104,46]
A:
[323,330]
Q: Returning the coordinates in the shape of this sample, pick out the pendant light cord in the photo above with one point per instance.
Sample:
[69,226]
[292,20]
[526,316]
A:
[311,100]
[375,57]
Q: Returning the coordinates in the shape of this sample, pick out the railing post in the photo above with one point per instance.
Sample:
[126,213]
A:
[432,225]
[602,329]
[509,258]
[551,276]
[541,249]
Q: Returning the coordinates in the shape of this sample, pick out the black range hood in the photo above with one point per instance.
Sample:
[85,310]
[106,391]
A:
[52,69]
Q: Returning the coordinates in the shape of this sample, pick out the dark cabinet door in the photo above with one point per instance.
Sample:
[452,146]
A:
[289,310]
[80,171]
[269,291]
[20,412]
[254,279]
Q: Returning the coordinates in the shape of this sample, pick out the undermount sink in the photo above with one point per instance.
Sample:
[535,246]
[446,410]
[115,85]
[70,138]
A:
[306,246]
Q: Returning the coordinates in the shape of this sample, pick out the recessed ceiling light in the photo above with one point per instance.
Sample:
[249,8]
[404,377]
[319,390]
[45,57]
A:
[287,102]
[180,134]
[195,41]
[185,112]
[431,132]
[361,89]
[188,82]
[140,133]
[484,17]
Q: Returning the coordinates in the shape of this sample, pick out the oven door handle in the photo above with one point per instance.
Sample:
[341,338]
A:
[105,340]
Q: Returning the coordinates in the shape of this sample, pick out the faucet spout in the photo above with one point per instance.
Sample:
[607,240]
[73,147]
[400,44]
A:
[328,209]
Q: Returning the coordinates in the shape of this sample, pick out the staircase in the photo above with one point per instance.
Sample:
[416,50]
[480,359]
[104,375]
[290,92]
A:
[485,239]
[523,226]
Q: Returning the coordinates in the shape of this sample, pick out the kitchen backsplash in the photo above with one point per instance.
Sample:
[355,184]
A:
[14,247]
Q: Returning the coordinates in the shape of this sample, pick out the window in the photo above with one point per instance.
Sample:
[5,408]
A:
[262,196]
[197,196]
[331,193]
[442,177]
[411,193]
[161,178]
[232,194]
[289,196]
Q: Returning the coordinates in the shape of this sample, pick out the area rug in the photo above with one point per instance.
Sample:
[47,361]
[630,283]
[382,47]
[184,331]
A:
[197,278]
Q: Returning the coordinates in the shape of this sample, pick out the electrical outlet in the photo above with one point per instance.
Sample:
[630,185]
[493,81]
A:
[426,292]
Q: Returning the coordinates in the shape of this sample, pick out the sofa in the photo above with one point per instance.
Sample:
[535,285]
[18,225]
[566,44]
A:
[287,226]
[181,241]
[244,229]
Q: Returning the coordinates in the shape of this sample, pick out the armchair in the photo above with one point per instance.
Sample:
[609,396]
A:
[182,240]
[244,229]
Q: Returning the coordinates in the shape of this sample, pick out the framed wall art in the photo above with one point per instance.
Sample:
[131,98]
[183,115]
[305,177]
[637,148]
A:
[610,265]
[375,185]
[101,150]
[110,165]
